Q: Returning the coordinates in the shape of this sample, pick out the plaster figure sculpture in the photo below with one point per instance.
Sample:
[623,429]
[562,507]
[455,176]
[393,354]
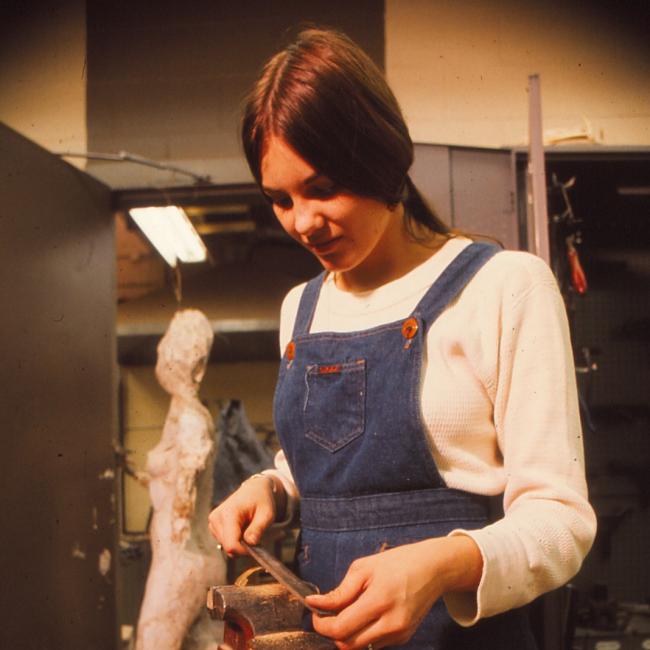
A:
[185,559]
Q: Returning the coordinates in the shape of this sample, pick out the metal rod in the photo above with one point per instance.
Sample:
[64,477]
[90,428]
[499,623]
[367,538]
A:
[537,205]
[125,156]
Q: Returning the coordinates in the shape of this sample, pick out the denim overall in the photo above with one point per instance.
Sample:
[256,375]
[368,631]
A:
[347,411]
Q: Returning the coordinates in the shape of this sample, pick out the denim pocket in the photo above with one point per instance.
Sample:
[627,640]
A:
[334,409]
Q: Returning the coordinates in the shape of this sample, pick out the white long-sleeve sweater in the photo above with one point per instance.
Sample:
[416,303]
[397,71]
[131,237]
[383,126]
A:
[499,404]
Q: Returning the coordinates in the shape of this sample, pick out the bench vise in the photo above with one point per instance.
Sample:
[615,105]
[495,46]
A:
[262,617]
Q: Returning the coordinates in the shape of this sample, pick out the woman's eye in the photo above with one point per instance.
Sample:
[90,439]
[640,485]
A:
[324,192]
[280,201]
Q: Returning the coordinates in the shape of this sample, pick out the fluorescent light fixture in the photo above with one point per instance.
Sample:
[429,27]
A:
[171,232]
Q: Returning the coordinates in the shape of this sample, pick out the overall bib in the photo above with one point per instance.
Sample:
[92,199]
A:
[347,411]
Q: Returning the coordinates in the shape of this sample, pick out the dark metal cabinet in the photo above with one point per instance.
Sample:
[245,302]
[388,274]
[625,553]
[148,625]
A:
[57,402]
[471,189]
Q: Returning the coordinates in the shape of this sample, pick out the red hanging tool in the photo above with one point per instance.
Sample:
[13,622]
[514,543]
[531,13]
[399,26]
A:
[578,277]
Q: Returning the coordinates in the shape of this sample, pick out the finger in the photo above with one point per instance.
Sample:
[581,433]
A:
[230,527]
[381,632]
[214,525]
[231,541]
[262,519]
[346,626]
[390,627]
[349,621]
[368,635]
[351,587]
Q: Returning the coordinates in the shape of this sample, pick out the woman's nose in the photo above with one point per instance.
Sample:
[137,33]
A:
[307,219]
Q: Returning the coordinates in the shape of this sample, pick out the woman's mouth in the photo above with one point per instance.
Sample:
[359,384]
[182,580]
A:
[323,247]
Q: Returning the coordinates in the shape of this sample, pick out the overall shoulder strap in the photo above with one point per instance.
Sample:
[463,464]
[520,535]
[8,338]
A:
[453,280]
[307,305]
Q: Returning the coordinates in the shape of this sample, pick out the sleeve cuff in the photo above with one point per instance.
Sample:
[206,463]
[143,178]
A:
[463,606]
[292,498]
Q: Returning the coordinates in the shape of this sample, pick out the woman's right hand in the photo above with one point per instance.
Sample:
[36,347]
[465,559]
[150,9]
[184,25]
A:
[246,513]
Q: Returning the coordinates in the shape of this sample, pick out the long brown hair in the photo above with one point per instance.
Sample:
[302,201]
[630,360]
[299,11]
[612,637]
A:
[327,99]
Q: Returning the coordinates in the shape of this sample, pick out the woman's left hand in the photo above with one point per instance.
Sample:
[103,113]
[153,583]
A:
[384,597]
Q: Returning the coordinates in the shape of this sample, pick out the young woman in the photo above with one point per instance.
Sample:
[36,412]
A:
[423,373]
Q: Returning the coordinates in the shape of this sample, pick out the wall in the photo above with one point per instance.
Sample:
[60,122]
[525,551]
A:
[163,80]
[460,67]
[43,72]
[167,83]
